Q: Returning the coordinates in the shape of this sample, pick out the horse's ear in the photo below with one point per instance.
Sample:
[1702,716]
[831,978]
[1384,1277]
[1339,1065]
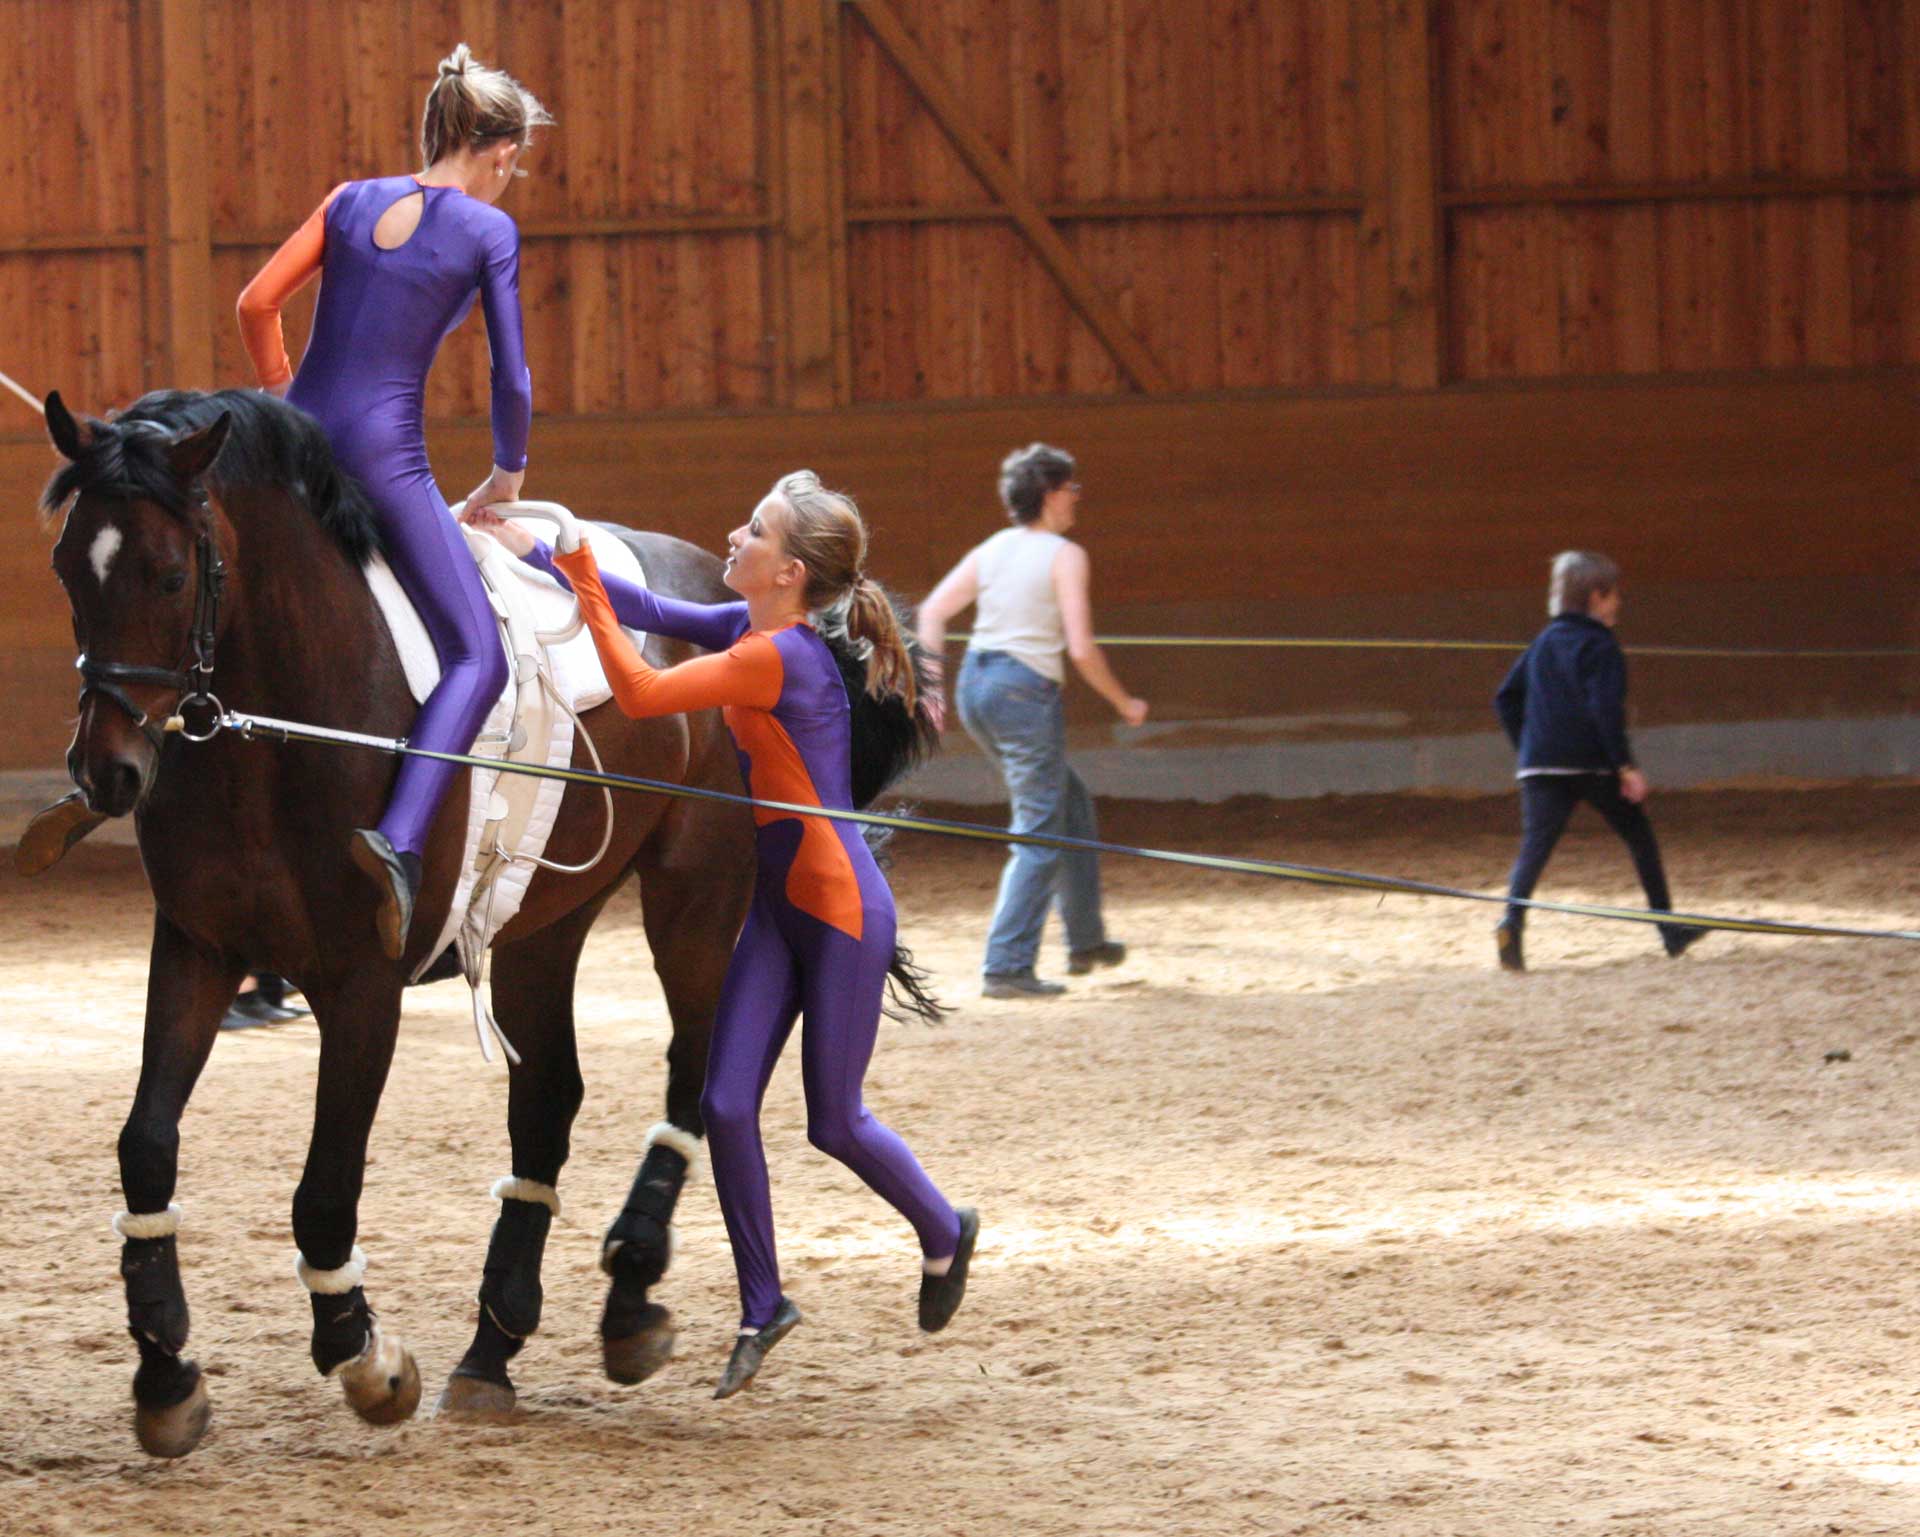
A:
[191,455]
[62,428]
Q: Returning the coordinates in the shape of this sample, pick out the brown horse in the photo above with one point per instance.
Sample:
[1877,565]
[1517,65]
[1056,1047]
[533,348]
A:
[210,544]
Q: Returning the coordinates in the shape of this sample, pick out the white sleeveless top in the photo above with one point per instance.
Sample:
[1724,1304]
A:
[1017,611]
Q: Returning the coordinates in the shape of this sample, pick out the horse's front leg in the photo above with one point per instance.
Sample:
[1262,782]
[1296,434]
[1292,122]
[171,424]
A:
[358,1014]
[188,989]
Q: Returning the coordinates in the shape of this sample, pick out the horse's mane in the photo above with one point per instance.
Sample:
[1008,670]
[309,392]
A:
[270,444]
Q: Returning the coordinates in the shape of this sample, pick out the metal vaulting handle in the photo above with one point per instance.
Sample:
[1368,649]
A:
[570,536]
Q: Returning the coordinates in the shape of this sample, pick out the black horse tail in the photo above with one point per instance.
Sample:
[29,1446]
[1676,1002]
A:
[890,738]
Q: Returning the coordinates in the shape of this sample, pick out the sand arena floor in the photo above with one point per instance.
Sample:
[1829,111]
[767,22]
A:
[1308,1221]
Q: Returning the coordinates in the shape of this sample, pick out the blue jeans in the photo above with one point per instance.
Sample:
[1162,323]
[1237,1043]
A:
[1016,717]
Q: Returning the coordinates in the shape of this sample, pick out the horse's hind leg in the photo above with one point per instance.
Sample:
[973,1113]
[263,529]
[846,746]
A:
[358,1012]
[693,897]
[187,992]
[533,1000]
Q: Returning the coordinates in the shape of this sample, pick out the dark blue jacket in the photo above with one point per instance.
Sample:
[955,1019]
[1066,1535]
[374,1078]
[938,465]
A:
[1564,705]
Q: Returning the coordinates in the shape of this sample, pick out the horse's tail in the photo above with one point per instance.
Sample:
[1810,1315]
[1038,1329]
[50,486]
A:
[889,740]
[909,992]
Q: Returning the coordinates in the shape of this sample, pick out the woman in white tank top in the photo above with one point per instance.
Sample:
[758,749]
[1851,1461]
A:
[1030,583]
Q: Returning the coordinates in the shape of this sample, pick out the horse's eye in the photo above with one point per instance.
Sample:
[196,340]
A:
[172,582]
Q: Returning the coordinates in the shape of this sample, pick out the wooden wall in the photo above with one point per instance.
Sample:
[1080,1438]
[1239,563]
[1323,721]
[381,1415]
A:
[1355,309]
[814,203]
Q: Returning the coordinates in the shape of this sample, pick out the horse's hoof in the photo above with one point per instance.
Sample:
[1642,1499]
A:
[383,1383]
[637,1356]
[475,1400]
[175,1430]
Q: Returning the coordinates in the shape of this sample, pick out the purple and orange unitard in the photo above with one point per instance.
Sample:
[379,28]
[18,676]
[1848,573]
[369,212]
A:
[381,318]
[819,936]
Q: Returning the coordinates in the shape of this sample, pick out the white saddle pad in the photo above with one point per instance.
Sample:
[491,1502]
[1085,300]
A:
[550,658]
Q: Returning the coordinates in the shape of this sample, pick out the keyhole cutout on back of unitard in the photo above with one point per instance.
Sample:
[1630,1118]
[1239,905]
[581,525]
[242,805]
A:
[397,224]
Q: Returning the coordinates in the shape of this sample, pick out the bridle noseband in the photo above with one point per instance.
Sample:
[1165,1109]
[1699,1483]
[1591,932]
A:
[190,680]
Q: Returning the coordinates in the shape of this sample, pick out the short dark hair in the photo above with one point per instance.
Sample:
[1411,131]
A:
[1028,474]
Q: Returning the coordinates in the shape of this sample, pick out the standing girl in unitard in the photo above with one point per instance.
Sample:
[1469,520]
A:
[402,259]
[819,937]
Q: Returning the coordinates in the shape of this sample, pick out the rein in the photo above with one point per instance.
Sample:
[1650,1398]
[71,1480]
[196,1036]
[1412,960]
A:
[191,679]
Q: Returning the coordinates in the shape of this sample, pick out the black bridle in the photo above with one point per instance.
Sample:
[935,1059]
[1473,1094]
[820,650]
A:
[191,679]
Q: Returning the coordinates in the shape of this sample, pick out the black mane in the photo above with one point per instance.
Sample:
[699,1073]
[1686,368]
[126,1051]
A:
[270,445]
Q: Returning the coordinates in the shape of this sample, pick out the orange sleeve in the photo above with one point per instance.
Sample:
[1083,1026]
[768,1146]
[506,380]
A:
[287,271]
[749,674]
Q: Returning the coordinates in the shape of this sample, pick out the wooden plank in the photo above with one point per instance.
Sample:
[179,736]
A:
[992,168]
[1745,189]
[1413,216]
[1367,68]
[188,280]
[1116,209]
[803,39]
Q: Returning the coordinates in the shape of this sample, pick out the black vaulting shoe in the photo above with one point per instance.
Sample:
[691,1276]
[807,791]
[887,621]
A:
[398,877]
[1506,939]
[940,1294]
[749,1350]
[1109,952]
[52,832]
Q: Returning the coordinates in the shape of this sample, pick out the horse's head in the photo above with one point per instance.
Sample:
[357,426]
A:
[141,558]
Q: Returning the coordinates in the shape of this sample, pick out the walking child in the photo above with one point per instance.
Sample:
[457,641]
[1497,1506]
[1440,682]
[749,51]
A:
[1564,707]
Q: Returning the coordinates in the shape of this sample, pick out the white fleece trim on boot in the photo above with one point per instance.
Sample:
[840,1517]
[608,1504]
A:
[685,1143]
[333,1283]
[148,1224]
[512,1188]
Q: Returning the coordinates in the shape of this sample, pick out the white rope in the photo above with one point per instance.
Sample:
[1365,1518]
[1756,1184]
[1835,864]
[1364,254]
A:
[24,393]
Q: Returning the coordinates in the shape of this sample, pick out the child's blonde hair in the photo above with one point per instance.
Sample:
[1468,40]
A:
[1577,576]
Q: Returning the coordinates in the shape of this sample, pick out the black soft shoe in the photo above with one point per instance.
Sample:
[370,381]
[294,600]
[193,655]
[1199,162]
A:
[1506,939]
[749,1350]
[1018,984]
[265,1003]
[398,877]
[940,1294]
[1109,952]
[52,832]
[1680,938]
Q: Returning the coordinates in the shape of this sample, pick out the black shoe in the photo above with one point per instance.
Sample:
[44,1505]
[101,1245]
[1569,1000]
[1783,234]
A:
[265,1003]
[749,1350]
[1018,984]
[398,877]
[1680,938]
[940,1294]
[1108,952]
[1506,940]
[52,832]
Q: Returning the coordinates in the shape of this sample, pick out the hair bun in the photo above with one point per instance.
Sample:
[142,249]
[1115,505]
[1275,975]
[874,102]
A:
[456,62]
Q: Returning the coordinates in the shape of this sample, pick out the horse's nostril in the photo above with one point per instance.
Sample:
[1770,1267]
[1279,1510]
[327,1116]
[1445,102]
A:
[119,788]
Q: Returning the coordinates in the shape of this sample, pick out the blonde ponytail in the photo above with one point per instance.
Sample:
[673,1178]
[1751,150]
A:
[471,106]
[872,621]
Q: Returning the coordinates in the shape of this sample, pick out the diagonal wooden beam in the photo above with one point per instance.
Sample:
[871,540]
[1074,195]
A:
[991,167]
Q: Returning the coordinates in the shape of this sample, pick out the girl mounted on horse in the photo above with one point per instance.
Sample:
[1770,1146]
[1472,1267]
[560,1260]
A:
[403,258]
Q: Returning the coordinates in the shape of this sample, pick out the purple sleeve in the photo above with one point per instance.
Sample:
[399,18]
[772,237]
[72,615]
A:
[712,626]
[512,384]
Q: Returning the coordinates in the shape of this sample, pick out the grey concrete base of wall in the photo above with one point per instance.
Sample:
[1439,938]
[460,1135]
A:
[1674,757]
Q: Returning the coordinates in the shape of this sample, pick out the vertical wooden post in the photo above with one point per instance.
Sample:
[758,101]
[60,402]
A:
[809,149]
[1409,192]
[185,244]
